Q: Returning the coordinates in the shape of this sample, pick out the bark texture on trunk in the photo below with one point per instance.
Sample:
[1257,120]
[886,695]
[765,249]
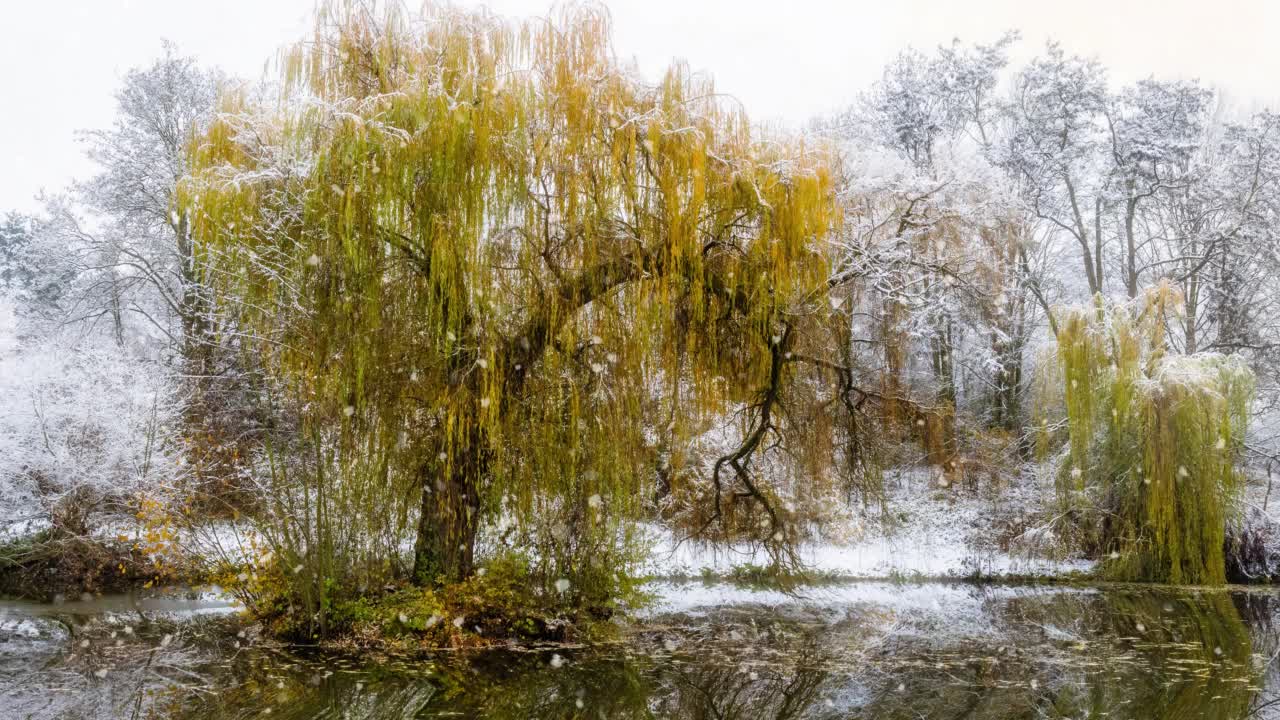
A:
[444,551]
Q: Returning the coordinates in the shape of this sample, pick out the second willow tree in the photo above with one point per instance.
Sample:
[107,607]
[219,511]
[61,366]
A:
[1154,440]
[471,251]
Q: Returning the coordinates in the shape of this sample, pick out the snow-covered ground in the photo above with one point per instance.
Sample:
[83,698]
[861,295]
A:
[928,531]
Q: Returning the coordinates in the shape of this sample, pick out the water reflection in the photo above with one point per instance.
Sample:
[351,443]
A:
[872,651]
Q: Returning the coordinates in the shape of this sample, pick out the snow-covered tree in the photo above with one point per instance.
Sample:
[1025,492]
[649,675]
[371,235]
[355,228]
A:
[85,428]
[1054,150]
[1158,138]
[939,236]
[142,246]
[104,293]
[87,420]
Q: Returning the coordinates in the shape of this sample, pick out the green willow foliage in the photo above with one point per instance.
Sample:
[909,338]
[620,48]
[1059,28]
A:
[1154,437]
[469,250]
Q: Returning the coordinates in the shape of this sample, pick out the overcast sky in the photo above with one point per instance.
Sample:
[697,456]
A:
[61,60]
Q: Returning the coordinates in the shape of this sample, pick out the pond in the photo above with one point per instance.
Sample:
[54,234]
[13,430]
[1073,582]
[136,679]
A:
[858,650]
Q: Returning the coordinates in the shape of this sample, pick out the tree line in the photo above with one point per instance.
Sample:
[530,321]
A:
[472,285]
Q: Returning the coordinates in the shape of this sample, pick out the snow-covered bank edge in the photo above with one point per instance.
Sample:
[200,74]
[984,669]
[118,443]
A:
[924,531]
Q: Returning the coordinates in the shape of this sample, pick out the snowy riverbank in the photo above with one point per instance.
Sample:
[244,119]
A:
[924,531]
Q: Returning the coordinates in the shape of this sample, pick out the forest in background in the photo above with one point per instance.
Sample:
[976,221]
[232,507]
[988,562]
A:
[455,304]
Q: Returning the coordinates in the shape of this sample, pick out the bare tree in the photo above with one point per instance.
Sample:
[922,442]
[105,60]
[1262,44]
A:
[1055,148]
[141,255]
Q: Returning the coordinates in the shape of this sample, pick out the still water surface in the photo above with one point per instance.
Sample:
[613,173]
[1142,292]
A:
[863,650]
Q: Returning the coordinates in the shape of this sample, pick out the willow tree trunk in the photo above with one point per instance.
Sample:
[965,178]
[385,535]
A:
[452,483]
[444,551]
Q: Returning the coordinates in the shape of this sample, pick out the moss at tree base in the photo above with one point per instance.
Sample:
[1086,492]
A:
[499,604]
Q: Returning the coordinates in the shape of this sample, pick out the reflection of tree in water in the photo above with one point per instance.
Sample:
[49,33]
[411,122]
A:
[1121,654]
[500,685]
[1258,608]
[88,667]
[777,673]
[583,687]
[1188,656]
[732,691]
[1133,654]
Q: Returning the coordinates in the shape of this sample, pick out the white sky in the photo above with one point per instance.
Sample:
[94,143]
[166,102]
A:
[61,60]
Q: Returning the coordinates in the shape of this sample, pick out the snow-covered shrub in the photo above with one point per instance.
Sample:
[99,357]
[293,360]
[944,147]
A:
[84,425]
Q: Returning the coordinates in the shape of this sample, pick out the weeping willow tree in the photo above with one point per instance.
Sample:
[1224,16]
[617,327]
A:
[1153,440]
[470,250]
